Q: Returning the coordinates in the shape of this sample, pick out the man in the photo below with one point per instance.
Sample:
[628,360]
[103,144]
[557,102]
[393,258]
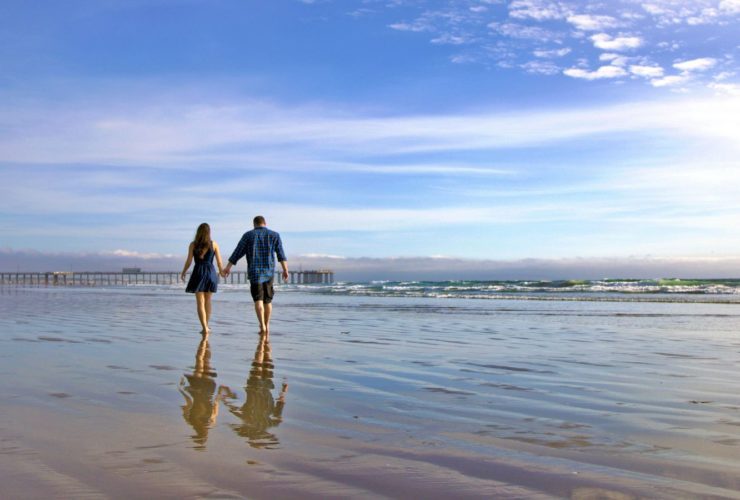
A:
[260,246]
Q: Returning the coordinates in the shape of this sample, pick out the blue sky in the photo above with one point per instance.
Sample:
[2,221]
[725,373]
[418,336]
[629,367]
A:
[477,129]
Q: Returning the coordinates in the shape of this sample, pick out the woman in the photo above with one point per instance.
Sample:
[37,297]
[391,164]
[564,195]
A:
[204,280]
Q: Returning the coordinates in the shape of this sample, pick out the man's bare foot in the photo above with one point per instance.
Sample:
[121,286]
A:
[205,331]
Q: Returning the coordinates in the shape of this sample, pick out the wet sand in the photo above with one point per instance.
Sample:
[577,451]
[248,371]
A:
[112,393]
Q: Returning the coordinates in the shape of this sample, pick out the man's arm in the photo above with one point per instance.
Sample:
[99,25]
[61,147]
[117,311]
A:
[282,258]
[239,252]
[284,264]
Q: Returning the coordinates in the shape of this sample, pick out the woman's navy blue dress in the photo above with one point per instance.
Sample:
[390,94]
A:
[204,277]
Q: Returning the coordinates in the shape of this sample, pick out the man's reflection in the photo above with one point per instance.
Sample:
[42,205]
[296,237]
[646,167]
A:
[260,411]
[198,389]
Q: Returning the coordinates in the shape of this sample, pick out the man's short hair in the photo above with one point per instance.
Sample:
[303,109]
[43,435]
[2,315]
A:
[259,221]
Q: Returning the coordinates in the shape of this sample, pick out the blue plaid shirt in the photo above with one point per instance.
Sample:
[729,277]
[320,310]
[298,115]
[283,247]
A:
[260,246]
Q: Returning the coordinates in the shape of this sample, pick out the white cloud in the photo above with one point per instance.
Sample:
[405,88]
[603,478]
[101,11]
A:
[701,64]
[541,67]
[694,12]
[669,81]
[730,6]
[414,27]
[608,71]
[139,255]
[587,22]
[611,26]
[607,42]
[523,31]
[450,39]
[706,16]
[539,10]
[321,256]
[669,46]
[621,61]
[552,53]
[724,75]
[726,88]
[646,71]
[653,8]
[463,59]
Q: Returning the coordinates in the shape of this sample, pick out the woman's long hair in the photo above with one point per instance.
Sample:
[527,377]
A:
[202,241]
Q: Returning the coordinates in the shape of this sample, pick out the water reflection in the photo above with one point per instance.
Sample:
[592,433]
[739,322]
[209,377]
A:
[199,390]
[260,410]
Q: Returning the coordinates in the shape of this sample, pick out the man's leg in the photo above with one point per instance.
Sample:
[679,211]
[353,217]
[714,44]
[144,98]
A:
[266,315]
[267,292]
[259,309]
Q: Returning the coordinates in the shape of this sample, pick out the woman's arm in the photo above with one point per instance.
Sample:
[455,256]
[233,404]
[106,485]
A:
[188,261]
[218,259]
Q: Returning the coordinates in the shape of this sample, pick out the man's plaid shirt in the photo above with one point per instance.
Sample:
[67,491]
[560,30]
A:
[260,246]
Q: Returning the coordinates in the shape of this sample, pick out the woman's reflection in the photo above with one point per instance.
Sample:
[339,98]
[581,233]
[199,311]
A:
[260,411]
[201,407]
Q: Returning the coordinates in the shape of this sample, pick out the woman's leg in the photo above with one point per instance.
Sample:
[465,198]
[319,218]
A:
[208,296]
[200,300]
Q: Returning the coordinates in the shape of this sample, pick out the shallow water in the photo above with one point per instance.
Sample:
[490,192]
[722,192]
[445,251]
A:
[110,391]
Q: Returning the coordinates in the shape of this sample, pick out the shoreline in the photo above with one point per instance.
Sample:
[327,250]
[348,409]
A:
[382,397]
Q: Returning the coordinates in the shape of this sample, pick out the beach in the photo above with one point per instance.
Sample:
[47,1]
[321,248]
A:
[369,391]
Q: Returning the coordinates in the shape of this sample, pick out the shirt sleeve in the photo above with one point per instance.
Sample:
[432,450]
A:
[240,251]
[279,250]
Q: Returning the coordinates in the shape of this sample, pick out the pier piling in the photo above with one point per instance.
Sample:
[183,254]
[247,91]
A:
[99,278]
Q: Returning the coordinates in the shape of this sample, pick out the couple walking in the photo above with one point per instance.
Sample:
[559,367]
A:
[259,246]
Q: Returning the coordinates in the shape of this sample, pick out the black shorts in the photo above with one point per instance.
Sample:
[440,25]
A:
[262,291]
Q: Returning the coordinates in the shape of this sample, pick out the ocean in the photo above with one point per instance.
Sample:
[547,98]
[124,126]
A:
[571,389]
[618,290]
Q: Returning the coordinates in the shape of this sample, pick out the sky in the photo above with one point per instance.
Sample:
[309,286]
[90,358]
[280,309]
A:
[384,131]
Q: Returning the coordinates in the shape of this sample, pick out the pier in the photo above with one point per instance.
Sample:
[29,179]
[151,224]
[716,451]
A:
[127,277]
[310,277]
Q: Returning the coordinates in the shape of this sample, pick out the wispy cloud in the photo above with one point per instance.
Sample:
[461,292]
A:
[182,134]
[608,71]
[342,181]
